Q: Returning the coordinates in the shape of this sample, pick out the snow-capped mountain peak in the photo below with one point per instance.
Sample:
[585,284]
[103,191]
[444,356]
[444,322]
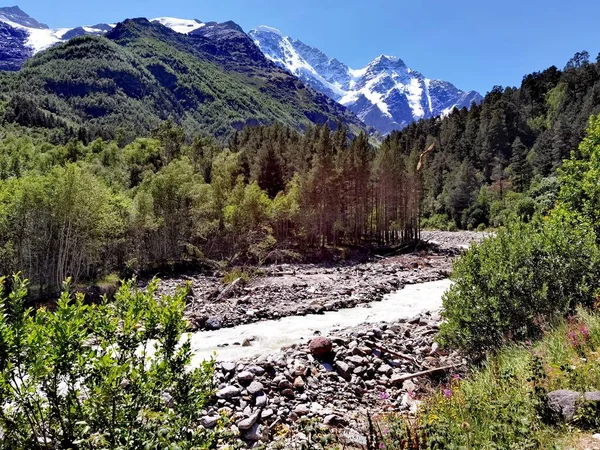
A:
[16,15]
[386,94]
[267,29]
[31,36]
[182,26]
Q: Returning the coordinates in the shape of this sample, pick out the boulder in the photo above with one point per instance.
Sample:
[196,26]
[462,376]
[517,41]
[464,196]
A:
[563,404]
[320,346]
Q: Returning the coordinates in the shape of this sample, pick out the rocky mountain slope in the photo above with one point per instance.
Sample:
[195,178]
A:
[210,77]
[386,94]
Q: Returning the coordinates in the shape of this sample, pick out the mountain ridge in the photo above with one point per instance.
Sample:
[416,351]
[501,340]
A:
[385,94]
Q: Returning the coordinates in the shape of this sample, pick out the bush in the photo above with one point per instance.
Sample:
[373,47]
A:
[508,286]
[100,376]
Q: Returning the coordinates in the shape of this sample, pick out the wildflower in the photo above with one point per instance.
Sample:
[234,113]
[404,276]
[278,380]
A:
[381,445]
[411,394]
[447,393]
[456,377]
[383,395]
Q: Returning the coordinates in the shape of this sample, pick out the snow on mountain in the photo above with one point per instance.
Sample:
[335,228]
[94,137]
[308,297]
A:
[386,94]
[33,36]
[183,26]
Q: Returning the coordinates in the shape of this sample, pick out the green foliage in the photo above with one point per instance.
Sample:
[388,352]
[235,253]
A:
[580,192]
[503,403]
[510,285]
[510,142]
[112,375]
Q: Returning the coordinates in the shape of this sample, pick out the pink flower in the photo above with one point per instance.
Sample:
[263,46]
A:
[456,377]
[383,395]
[447,393]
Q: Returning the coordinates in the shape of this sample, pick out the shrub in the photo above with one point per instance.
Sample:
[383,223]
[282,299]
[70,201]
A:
[508,286]
[112,375]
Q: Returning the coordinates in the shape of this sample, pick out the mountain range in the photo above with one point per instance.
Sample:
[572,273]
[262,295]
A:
[385,95]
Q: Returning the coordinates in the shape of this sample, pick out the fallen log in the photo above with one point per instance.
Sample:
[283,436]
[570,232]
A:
[410,376]
[396,354]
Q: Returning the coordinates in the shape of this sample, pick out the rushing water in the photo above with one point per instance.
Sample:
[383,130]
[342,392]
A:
[270,336]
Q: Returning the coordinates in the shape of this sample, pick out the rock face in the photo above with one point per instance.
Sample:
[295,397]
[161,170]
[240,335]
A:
[386,94]
[564,403]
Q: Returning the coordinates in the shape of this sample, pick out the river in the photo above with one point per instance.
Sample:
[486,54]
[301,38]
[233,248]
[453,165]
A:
[270,336]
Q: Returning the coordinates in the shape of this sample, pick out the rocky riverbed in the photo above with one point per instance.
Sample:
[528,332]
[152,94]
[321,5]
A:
[296,290]
[331,382]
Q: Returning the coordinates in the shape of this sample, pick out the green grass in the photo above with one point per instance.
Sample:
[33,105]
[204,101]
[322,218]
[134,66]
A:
[501,405]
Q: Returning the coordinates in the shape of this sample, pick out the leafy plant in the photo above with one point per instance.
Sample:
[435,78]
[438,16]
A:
[512,284]
[110,376]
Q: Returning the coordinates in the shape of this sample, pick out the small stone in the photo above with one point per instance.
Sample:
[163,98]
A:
[343,369]
[229,392]
[209,422]
[385,369]
[261,400]
[246,424]
[228,366]
[333,420]
[320,346]
[245,377]
[255,388]
[298,383]
[302,410]
[213,323]
[267,414]
[254,434]
[256,370]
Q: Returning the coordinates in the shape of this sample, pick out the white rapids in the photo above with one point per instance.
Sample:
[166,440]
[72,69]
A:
[270,336]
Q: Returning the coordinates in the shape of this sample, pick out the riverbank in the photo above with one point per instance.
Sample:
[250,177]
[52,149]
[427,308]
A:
[286,290]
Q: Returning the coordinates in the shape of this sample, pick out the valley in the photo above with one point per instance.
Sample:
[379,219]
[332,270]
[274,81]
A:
[214,235]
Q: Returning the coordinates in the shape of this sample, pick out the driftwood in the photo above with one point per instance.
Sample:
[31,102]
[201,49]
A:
[410,376]
[229,289]
[396,354]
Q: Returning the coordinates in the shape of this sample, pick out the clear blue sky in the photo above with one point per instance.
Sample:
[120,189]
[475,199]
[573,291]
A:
[475,44]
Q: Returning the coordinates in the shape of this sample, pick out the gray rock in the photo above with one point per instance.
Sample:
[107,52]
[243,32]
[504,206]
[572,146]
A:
[385,369]
[593,397]
[254,434]
[228,366]
[255,388]
[209,422]
[267,414]
[213,323]
[261,400]
[333,420]
[246,424]
[302,410]
[229,392]
[245,377]
[256,370]
[563,403]
[343,369]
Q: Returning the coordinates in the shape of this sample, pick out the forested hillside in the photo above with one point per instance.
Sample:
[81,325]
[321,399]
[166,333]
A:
[500,157]
[123,85]
[87,211]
